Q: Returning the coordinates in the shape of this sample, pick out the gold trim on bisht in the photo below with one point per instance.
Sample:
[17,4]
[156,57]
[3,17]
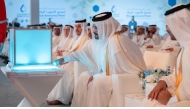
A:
[178,77]
[81,42]
[107,63]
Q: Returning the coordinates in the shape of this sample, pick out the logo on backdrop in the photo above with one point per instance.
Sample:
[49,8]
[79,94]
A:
[113,9]
[23,16]
[114,12]
[23,8]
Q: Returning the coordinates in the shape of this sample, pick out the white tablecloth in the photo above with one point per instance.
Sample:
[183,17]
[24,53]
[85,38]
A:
[160,59]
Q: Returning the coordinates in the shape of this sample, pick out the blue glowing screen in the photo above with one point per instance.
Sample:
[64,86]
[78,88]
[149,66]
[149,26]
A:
[32,47]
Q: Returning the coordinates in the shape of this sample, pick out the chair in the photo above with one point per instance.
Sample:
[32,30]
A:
[124,84]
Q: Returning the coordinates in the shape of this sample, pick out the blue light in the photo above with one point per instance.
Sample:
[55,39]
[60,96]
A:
[35,67]
[33,47]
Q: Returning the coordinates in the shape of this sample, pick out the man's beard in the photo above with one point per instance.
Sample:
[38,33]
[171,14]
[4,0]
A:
[96,36]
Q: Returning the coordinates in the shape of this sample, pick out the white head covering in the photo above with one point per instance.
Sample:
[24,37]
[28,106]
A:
[156,37]
[42,25]
[179,24]
[88,27]
[141,26]
[107,27]
[57,26]
[157,29]
[51,23]
[76,38]
[127,33]
[64,41]
[178,21]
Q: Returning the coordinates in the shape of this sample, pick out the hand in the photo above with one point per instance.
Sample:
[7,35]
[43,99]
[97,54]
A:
[157,89]
[149,46]
[89,80]
[163,97]
[170,49]
[59,52]
[147,36]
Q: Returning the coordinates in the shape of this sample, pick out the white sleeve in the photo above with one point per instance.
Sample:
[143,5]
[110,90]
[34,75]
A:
[142,42]
[170,80]
[70,58]
[172,100]
[176,48]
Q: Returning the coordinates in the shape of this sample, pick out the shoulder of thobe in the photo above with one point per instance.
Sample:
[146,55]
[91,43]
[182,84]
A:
[114,43]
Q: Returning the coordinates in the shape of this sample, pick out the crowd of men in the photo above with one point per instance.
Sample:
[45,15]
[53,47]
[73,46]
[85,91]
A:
[107,48]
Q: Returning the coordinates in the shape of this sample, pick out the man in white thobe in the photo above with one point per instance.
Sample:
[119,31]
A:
[166,35]
[62,92]
[65,40]
[126,32]
[51,25]
[174,90]
[112,54]
[171,44]
[113,59]
[79,38]
[56,35]
[152,38]
[139,37]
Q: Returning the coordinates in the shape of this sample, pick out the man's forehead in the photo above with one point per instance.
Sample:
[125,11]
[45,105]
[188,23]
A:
[77,24]
[56,28]
[124,26]
[66,27]
[141,28]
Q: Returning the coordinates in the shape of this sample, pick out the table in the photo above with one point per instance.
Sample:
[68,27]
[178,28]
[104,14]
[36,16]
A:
[160,59]
[34,85]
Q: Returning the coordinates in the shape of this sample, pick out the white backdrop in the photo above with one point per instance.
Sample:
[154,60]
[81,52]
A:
[19,9]
[67,11]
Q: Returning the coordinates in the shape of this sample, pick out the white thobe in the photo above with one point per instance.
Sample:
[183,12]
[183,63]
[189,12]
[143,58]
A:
[148,41]
[5,50]
[171,44]
[98,92]
[128,34]
[66,46]
[64,88]
[55,41]
[165,36]
[183,89]
[156,39]
[138,39]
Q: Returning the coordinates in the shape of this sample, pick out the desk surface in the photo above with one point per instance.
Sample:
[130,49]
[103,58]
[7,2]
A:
[160,59]
[34,86]
[157,49]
